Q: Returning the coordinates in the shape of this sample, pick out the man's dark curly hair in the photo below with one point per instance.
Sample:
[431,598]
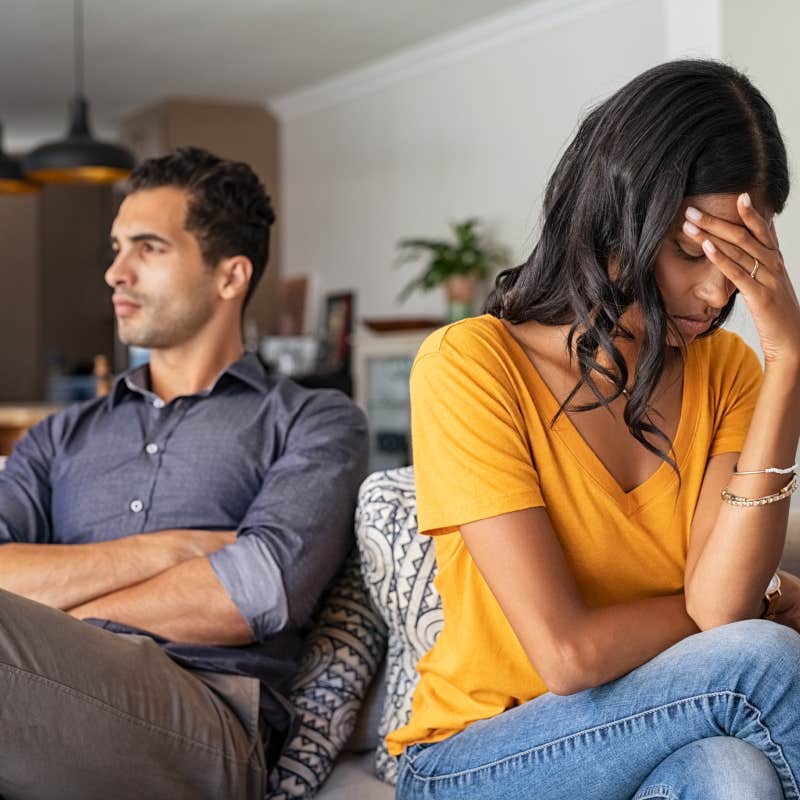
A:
[229,210]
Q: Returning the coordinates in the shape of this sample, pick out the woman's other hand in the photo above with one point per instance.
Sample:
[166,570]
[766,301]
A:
[788,611]
[748,255]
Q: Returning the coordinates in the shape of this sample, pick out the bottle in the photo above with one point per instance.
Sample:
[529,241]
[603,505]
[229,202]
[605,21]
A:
[102,376]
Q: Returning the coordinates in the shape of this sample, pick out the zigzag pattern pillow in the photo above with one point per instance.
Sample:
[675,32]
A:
[341,654]
[399,566]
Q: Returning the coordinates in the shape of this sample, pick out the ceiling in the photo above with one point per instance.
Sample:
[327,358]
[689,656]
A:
[141,51]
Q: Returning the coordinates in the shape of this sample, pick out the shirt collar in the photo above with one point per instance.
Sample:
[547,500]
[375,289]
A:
[248,369]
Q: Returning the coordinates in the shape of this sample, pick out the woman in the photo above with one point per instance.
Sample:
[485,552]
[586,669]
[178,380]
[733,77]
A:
[607,474]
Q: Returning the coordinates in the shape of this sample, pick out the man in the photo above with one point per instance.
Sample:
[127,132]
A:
[193,516]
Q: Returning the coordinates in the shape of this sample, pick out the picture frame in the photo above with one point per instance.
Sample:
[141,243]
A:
[338,330]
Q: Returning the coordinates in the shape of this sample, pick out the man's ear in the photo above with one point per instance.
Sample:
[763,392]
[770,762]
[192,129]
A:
[234,277]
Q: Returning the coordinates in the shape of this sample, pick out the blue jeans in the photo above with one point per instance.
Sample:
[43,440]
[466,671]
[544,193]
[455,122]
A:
[715,716]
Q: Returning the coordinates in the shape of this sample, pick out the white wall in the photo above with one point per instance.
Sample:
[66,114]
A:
[472,125]
[466,128]
[693,28]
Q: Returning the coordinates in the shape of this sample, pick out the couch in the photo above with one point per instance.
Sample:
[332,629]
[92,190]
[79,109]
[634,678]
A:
[382,603]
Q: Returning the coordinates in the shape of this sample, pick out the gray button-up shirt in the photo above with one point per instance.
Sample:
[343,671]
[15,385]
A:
[278,463]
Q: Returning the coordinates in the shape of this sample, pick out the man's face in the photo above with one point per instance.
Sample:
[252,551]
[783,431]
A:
[164,293]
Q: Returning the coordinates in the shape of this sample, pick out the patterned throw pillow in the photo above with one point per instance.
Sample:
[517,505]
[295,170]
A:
[341,654]
[399,566]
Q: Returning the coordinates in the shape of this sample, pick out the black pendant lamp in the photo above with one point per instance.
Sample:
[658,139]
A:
[12,179]
[79,158]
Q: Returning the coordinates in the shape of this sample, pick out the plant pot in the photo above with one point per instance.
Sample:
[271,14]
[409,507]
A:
[462,291]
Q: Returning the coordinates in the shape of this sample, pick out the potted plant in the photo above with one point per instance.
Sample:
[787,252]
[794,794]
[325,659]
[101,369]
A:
[459,265]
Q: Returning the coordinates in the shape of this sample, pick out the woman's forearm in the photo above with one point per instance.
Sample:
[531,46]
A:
[613,640]
[745,544]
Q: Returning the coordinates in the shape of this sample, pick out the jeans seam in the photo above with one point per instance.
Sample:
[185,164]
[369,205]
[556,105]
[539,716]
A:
[128,717]
[659,790]
[412,757]
[608,725]
[759,720]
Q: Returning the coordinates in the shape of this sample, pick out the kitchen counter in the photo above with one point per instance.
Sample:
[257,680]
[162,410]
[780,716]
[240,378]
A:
[17,418]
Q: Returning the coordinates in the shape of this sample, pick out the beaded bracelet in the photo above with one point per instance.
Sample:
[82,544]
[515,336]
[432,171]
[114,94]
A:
[735,500]
[767,471]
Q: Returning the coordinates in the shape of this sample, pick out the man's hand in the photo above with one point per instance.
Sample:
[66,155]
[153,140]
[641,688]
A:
[185,604]
[191,543]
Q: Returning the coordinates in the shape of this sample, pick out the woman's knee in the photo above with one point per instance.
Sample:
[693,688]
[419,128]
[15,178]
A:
[752,642]
[717,768]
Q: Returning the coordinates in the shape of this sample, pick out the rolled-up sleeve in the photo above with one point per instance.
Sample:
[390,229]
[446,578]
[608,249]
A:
[299,527]
[25,489]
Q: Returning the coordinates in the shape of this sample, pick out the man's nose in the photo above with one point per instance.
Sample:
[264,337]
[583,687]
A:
[119,271]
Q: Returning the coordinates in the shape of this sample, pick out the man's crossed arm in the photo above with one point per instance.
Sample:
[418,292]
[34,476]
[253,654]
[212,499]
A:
[161,582]
[185,603]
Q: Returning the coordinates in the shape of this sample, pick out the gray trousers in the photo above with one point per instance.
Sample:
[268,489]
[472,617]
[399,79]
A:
[87,714]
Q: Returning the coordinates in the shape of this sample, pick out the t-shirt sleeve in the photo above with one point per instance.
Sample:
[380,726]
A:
[740,385]
[472,455]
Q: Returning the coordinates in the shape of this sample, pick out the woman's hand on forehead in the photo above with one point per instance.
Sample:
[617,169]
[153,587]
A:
[748,255]
[733,220]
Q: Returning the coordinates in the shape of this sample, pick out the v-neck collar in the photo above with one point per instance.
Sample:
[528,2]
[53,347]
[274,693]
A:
[658,481]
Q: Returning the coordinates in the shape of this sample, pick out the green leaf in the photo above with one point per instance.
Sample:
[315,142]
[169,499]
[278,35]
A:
[471,253]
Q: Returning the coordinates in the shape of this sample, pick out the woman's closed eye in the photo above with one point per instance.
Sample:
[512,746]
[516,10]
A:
[687,254]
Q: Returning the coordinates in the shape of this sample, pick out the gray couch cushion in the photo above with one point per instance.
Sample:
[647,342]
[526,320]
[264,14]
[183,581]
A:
[354,779]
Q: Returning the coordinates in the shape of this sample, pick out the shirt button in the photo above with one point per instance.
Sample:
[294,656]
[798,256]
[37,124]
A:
[151,449]
[158,403]
[136,506]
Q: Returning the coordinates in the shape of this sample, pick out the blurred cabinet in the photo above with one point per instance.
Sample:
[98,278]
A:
[56,306]
[21,322]
[382,369]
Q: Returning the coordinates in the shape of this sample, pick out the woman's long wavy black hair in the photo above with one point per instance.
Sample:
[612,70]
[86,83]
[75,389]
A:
[681,129]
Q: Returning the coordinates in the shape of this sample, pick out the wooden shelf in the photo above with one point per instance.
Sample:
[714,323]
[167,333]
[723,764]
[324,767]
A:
[17,420]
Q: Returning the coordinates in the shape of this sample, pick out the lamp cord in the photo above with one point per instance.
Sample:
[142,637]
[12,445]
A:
[78,43]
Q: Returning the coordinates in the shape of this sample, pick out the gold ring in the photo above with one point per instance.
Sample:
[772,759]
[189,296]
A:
[755,269]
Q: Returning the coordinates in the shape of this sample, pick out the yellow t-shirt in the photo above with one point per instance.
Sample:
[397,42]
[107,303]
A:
[484,445]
